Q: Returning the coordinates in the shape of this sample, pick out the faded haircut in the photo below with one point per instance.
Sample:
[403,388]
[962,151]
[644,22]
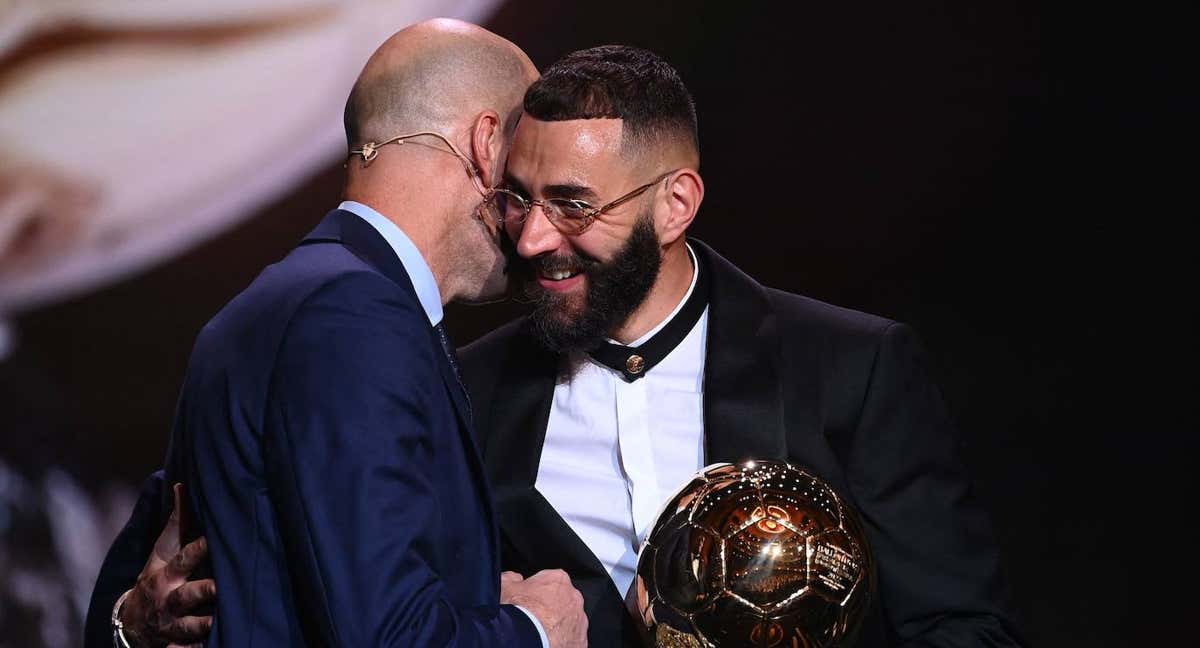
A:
[619,82]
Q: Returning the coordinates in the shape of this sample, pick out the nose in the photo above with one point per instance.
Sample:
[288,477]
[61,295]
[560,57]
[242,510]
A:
[538,235]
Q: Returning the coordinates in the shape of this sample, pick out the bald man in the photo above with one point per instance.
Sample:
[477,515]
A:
[323,432]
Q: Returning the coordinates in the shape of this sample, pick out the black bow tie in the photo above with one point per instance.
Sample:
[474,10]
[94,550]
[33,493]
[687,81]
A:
[634,362]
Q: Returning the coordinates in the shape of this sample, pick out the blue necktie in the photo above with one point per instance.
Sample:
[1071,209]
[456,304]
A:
[448,349]
[451,356]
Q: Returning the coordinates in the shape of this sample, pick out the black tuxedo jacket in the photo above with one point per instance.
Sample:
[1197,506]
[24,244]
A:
[842,393]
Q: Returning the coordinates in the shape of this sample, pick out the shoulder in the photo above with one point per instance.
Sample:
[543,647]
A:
[737,294]
[359,309]
[331,271]
[849,350]
[315,280]
[825,320]
[843,342]
[354,340]
[842,336]
[320,303]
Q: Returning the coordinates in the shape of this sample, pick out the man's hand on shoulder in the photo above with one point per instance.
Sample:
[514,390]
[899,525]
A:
[551,598]
[162,608]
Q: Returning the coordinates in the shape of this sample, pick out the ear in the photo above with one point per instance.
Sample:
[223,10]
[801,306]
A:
[487,147]
[685,192]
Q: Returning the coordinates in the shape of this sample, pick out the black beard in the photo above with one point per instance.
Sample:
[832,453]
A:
[615,289]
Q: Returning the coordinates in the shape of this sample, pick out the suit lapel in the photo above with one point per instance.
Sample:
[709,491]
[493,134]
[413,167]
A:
[743,390]
[454,388]
[365,242]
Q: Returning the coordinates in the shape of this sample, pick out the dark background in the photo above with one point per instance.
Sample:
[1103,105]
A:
[1009,178]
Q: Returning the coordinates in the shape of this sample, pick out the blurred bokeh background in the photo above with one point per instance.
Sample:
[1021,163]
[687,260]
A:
[1010,178]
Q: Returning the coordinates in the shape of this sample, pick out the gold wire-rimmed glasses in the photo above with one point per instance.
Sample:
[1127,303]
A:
[569,215]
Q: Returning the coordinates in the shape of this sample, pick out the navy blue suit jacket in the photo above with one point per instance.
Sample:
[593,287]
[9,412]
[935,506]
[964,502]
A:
[326,444]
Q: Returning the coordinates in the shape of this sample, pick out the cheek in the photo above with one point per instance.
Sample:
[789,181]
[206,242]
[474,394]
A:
[601,241]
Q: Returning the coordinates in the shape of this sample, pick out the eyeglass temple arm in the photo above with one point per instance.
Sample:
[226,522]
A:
[631,195]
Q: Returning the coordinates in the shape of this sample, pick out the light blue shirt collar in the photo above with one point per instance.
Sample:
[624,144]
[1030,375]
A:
[410,257]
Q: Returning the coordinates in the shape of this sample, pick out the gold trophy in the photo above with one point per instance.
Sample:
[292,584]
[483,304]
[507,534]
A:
[758,554]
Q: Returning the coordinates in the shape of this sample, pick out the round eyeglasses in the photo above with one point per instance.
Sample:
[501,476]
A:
[569,215]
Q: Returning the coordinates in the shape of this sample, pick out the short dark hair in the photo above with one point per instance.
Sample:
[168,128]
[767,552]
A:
[618,82]
[350,119]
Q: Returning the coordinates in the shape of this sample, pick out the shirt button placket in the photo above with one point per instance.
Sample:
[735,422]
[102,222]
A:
[637,455]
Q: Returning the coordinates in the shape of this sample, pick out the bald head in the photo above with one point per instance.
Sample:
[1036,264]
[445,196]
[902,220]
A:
[434,75]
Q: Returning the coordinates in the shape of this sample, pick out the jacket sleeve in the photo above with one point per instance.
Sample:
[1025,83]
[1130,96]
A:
[125,559]
[937,559]
[348,462]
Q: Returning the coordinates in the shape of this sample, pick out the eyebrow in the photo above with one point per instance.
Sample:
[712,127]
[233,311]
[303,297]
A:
[569,191]
[512,183]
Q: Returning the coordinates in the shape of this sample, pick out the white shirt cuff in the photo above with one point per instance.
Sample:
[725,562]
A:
[537,624]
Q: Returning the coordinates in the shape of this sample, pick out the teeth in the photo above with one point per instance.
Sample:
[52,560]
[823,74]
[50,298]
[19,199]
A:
[559,275]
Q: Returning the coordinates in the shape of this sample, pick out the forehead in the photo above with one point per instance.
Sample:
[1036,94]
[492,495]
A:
[556,151]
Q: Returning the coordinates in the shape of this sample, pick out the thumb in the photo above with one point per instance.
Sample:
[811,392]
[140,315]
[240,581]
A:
[167,544]
[511,577]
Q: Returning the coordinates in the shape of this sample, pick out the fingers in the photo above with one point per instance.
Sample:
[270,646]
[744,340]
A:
[191,595]
[575,599]
[552,575]
[510,577]
[183,511]
[184,562]
[188,629]
[510,586]
[167,544]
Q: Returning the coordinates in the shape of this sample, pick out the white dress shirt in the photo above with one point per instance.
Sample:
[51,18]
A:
[615,451]
[427,293]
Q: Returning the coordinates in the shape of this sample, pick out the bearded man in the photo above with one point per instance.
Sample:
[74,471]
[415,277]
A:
[647,356]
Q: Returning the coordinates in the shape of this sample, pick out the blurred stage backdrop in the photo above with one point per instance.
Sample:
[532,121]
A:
[999,175]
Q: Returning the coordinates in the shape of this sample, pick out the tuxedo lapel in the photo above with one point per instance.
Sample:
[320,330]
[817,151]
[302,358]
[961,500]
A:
[743,390]
[520,412]
[534,531]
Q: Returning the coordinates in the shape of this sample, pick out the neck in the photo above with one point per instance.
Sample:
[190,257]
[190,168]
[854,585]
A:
[674,277]
[416,206]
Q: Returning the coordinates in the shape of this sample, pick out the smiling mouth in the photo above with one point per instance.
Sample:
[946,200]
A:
[561,281]
[558,275]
